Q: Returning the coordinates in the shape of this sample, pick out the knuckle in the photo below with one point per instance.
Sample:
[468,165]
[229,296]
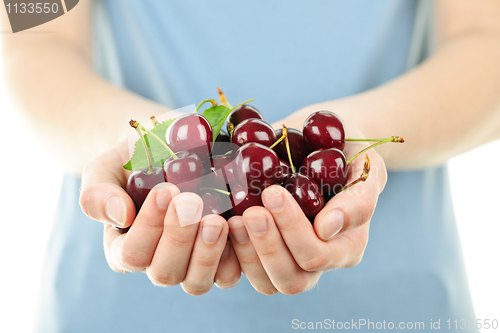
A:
[164,279]
[249,259]
[294,286]
[196,289]
[268,250]
[86,198]
[268,291]
[227,282]
[205,261]
[133,260]
[315,262]
[179,239]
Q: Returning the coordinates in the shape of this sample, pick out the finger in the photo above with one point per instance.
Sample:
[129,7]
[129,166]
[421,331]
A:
[295,229]
[171,258]
[355,206]
[229,272]
[102,195]
[274,255]
[247,257]
[206,255]
[310,252]
[139,243]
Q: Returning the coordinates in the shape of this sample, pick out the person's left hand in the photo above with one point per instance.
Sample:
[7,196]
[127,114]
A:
[278,248]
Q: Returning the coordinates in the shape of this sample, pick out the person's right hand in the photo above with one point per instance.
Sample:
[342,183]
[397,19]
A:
[195,256]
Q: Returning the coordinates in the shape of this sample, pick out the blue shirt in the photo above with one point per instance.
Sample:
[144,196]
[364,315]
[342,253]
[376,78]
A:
[286,55]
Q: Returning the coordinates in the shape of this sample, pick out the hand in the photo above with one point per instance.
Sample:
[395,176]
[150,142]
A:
[280,251]
[195,256]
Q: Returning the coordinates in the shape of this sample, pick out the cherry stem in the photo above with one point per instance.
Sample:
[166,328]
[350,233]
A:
[209,100]
[223,99]
[156,137]
[230,128]
[216,190]
[135,124]
[362,178]
[285,134]
[397,139]
[245,102]
[154,121]
[278,141]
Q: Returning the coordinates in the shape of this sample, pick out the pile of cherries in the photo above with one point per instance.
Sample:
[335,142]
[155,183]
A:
[230,172]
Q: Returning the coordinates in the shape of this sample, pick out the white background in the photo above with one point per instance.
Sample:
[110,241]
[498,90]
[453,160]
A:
[31,181]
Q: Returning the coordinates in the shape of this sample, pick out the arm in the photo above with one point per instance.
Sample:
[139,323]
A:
[445,106]
[76,114]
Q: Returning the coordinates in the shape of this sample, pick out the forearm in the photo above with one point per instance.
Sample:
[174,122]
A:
[75,113]
[444,107]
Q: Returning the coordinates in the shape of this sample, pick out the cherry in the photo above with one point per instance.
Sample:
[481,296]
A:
[253,130]
[191,132]
[243,112]
[243,198]
[306,192]
[213,202]
[140,184]
[184,170]
[254,166]
[220,173]
[282,172]
[323,130]
[328,168]
[297,142]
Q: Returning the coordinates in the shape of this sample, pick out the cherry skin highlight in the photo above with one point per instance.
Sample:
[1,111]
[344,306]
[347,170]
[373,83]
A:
[254,166]
[298,145]
[306,192]
[323,130]
[328,168]
[140,184]
[243,112]
[186,172]
[253,130]
[191,132]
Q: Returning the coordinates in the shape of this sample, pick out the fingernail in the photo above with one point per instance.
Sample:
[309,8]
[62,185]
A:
[225,253]
[331,224]
[187,207]
[166,192]
[162,199]
[273,199]
[210,231]
[116,210]
[238,229]
[257,223]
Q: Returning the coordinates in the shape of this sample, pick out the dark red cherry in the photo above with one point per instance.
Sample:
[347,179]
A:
[186,172]
[220,173]
[243,112]
[328,168]
[191,132]
[306,192]
[223,137]
[243,198]
[299,148]
[254,166]
[140,184]
[282,172]
[213,202]
[253,130]
[323,130]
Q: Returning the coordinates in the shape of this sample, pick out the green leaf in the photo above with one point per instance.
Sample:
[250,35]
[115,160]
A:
[159,154]
[216,116]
